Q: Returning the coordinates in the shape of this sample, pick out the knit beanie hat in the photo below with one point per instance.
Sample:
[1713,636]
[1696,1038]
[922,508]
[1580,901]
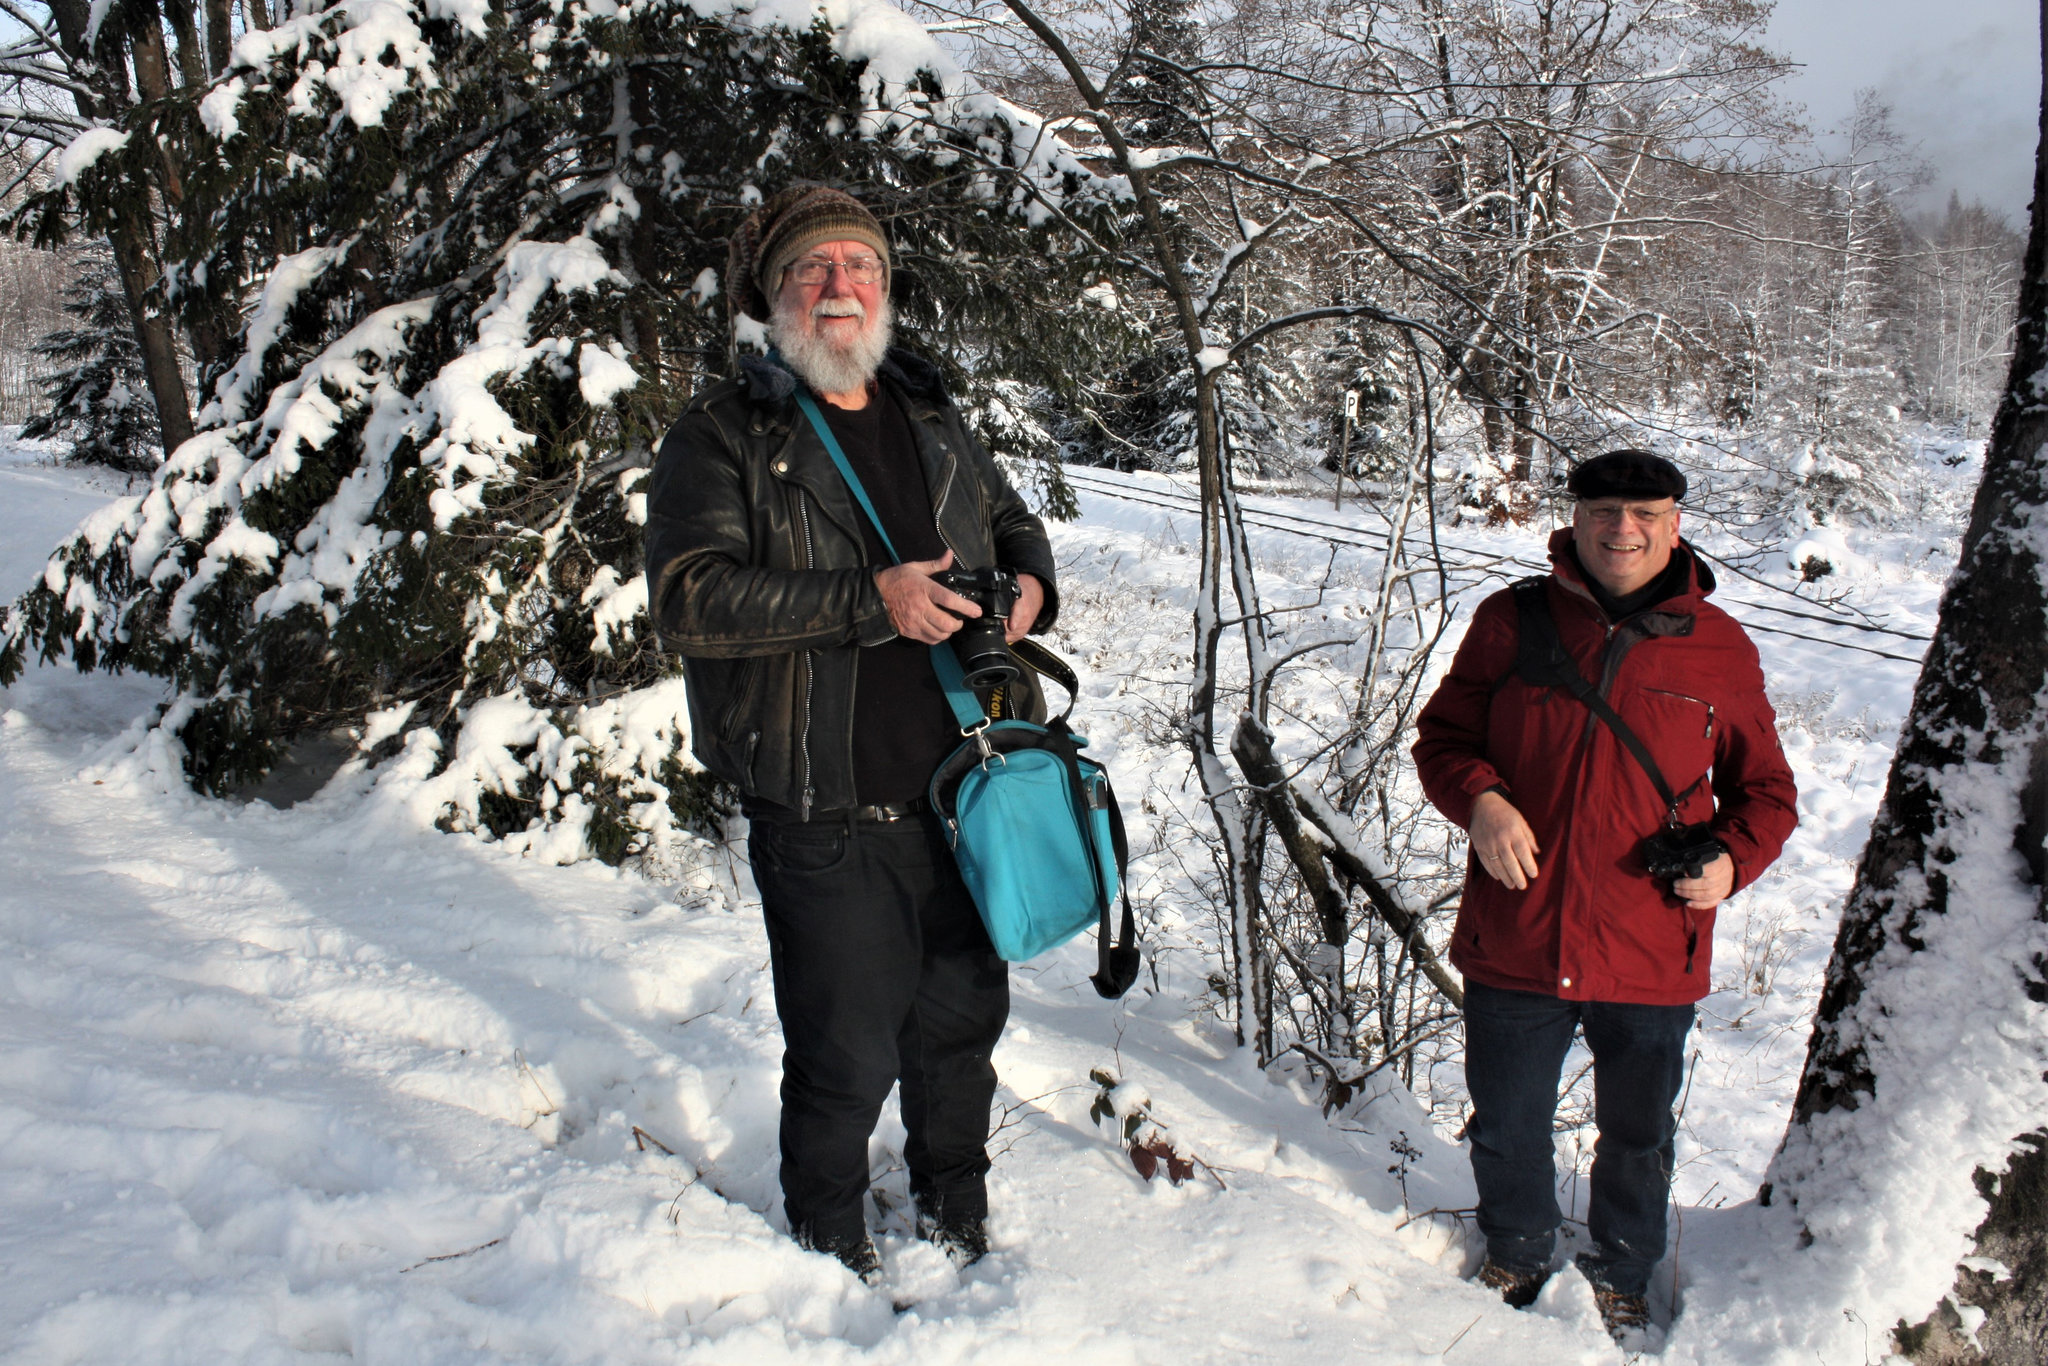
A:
[787,225]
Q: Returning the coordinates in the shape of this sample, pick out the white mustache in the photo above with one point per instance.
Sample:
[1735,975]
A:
[837,359]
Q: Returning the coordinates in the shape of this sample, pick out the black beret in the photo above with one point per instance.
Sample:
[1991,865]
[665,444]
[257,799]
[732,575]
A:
[1627,474]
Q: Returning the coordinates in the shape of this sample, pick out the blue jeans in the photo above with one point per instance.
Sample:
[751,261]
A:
[1515,1045]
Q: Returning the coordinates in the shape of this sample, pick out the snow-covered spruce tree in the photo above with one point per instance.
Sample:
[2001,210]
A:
[1916,1157]
[96,393]
[477,248]
[1150,91]
[1140,413]
[1359,360]
[1842,392]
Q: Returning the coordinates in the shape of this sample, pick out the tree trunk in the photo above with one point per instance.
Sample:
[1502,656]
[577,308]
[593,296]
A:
[146,47]
[130,238]
[1219,546]
[219,36]
[152,332]
[1973,740]
[2015,1235]
[191,59]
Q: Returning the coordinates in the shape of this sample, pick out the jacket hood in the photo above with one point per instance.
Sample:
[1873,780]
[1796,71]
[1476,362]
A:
[1566,566]
[767,384]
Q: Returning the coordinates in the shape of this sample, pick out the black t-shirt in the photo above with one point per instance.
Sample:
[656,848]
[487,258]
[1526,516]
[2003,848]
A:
[902,726]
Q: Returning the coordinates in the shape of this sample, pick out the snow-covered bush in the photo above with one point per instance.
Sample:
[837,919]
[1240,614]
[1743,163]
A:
[95,394]
[475,249]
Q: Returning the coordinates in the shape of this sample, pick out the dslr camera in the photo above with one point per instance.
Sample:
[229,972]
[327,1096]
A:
[979,645]
[1679,851]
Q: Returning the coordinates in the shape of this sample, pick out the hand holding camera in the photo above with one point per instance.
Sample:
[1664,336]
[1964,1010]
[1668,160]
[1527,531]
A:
[920,607]
[1696,864]
[981,641]
[976,609]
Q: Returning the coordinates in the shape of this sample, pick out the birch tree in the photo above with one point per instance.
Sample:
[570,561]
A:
[1433,194]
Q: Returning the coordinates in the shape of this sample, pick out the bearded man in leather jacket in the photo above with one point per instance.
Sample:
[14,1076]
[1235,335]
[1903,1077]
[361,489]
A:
[811,689]
[1564,926]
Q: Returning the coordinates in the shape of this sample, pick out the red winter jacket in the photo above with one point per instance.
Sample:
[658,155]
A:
[1593,925]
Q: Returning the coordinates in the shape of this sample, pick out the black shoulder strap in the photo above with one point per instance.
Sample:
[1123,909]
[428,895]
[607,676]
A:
[1116,967]
[1540,658]
[1541,662]
[1049,665]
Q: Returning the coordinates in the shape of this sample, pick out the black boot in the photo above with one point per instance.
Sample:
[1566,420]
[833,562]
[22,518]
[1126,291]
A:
[856,1252]
[961,1236]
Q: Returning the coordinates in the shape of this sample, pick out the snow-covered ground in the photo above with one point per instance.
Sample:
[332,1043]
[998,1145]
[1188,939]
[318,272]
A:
[322,1085]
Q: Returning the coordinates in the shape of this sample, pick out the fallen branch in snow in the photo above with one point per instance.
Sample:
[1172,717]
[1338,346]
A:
[1253,749]
[644,1140]
[1013,1118]
[526,1071]
[1458,1216]
[452,1256]
[675,1205]
[1460,1338]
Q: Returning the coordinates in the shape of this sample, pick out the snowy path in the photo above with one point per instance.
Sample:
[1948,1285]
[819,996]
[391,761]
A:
[317,1086]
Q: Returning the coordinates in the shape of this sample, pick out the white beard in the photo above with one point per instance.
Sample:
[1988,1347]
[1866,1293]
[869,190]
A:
[831,365]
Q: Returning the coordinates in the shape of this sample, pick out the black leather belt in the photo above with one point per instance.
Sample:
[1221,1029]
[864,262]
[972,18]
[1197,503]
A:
[889,811]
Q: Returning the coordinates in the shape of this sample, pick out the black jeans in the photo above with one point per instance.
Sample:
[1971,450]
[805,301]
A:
[1515,1045]
[883,973]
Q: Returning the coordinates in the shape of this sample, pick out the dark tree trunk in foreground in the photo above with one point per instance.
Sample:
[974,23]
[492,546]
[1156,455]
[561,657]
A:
[2015,1234]
[130,235]
[1976,717]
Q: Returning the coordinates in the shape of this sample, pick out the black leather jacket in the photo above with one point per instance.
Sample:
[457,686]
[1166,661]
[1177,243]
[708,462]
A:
[757,573]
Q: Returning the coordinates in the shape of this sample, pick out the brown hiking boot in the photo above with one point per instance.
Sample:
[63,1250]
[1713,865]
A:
[1623,1313]
[1518,1289]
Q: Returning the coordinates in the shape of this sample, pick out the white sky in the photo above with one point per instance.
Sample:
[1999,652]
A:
[1963,78]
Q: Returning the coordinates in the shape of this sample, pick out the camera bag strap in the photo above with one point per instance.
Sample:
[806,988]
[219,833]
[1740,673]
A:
[1116,964]
[966,710]
[1541,662]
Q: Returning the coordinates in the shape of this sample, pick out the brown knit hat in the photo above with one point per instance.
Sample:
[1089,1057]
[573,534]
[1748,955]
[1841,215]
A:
[787,225]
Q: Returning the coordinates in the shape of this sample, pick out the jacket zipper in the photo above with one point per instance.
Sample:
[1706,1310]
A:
[1696,701]
[803,506]
[1610,659]
[939,501]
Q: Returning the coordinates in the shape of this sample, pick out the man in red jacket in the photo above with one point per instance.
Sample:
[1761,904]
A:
[1563,926]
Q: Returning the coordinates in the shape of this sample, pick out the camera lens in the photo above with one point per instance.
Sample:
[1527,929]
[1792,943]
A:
[983,656]
[979,645]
